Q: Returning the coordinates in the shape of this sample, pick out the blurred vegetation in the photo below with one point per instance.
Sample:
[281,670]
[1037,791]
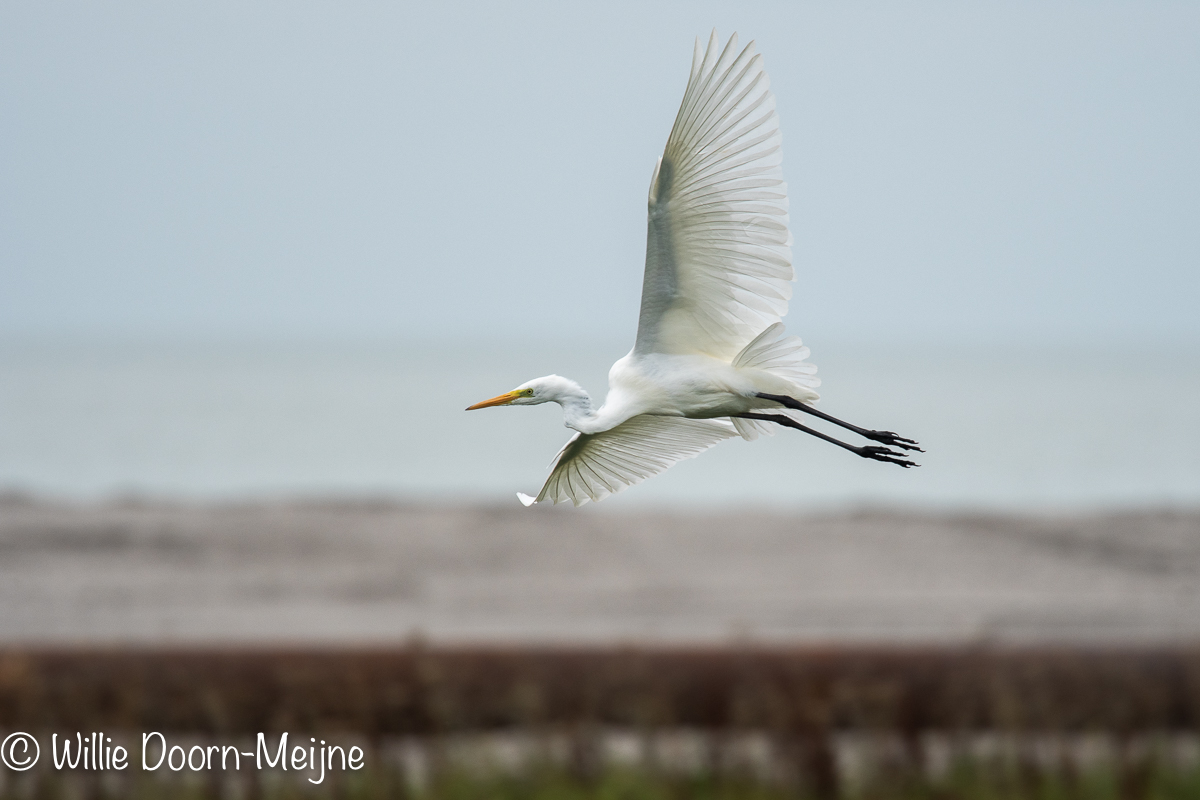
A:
[967,779]
[633,723]
[805,693]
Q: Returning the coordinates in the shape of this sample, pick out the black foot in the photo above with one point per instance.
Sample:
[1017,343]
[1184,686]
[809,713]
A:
[884,454]
[889,438]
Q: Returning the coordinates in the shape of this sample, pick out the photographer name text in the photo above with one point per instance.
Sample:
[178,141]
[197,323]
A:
[96,752]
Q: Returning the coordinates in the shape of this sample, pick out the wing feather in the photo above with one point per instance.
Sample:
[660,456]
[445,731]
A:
[718,251]
[595,465]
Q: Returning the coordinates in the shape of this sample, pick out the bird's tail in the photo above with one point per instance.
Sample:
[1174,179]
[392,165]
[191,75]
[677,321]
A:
[784,357]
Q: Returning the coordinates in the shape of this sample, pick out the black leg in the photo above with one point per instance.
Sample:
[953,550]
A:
[883,437]
[870,451]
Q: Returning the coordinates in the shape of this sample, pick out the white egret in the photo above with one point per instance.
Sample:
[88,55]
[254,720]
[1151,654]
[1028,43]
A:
[710,360]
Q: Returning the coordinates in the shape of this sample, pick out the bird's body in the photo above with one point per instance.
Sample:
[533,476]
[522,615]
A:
[710,360]
[694,386]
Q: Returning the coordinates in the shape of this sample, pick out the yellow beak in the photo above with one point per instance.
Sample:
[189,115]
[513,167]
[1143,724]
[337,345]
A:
[501,400]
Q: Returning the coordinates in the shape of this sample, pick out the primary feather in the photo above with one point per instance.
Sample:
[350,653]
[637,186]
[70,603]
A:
[718,251]
[591,466]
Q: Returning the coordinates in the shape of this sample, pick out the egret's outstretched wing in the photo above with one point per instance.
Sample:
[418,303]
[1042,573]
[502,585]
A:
[594,465]
[718,251]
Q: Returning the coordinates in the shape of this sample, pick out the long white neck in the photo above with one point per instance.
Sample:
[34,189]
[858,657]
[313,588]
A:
[578,413]
[576,404]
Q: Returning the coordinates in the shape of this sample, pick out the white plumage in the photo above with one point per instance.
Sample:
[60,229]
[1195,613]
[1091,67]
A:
[593,466]
[710,360]
[718,250]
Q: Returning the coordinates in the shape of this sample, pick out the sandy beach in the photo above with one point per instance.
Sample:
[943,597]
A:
[362,572]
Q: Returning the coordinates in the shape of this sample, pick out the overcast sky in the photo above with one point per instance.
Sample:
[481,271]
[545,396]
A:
[957,171]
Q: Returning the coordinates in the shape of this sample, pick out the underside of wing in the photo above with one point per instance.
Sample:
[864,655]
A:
[718,251]
[593,466]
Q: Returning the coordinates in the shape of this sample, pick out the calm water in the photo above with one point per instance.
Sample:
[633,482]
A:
[1004,429]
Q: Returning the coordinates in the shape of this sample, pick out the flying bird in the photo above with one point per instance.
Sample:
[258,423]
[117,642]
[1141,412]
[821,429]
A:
[711,359]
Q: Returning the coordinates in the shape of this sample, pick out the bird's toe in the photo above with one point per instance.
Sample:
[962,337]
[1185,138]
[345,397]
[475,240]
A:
[886,455]
[895,440]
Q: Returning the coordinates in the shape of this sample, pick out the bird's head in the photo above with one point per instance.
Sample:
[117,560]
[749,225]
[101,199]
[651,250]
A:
[550,389]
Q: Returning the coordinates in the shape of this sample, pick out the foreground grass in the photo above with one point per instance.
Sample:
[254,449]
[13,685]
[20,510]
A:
[964,781]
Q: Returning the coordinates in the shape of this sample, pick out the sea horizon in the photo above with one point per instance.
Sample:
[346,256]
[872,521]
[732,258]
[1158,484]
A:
[1069,427]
